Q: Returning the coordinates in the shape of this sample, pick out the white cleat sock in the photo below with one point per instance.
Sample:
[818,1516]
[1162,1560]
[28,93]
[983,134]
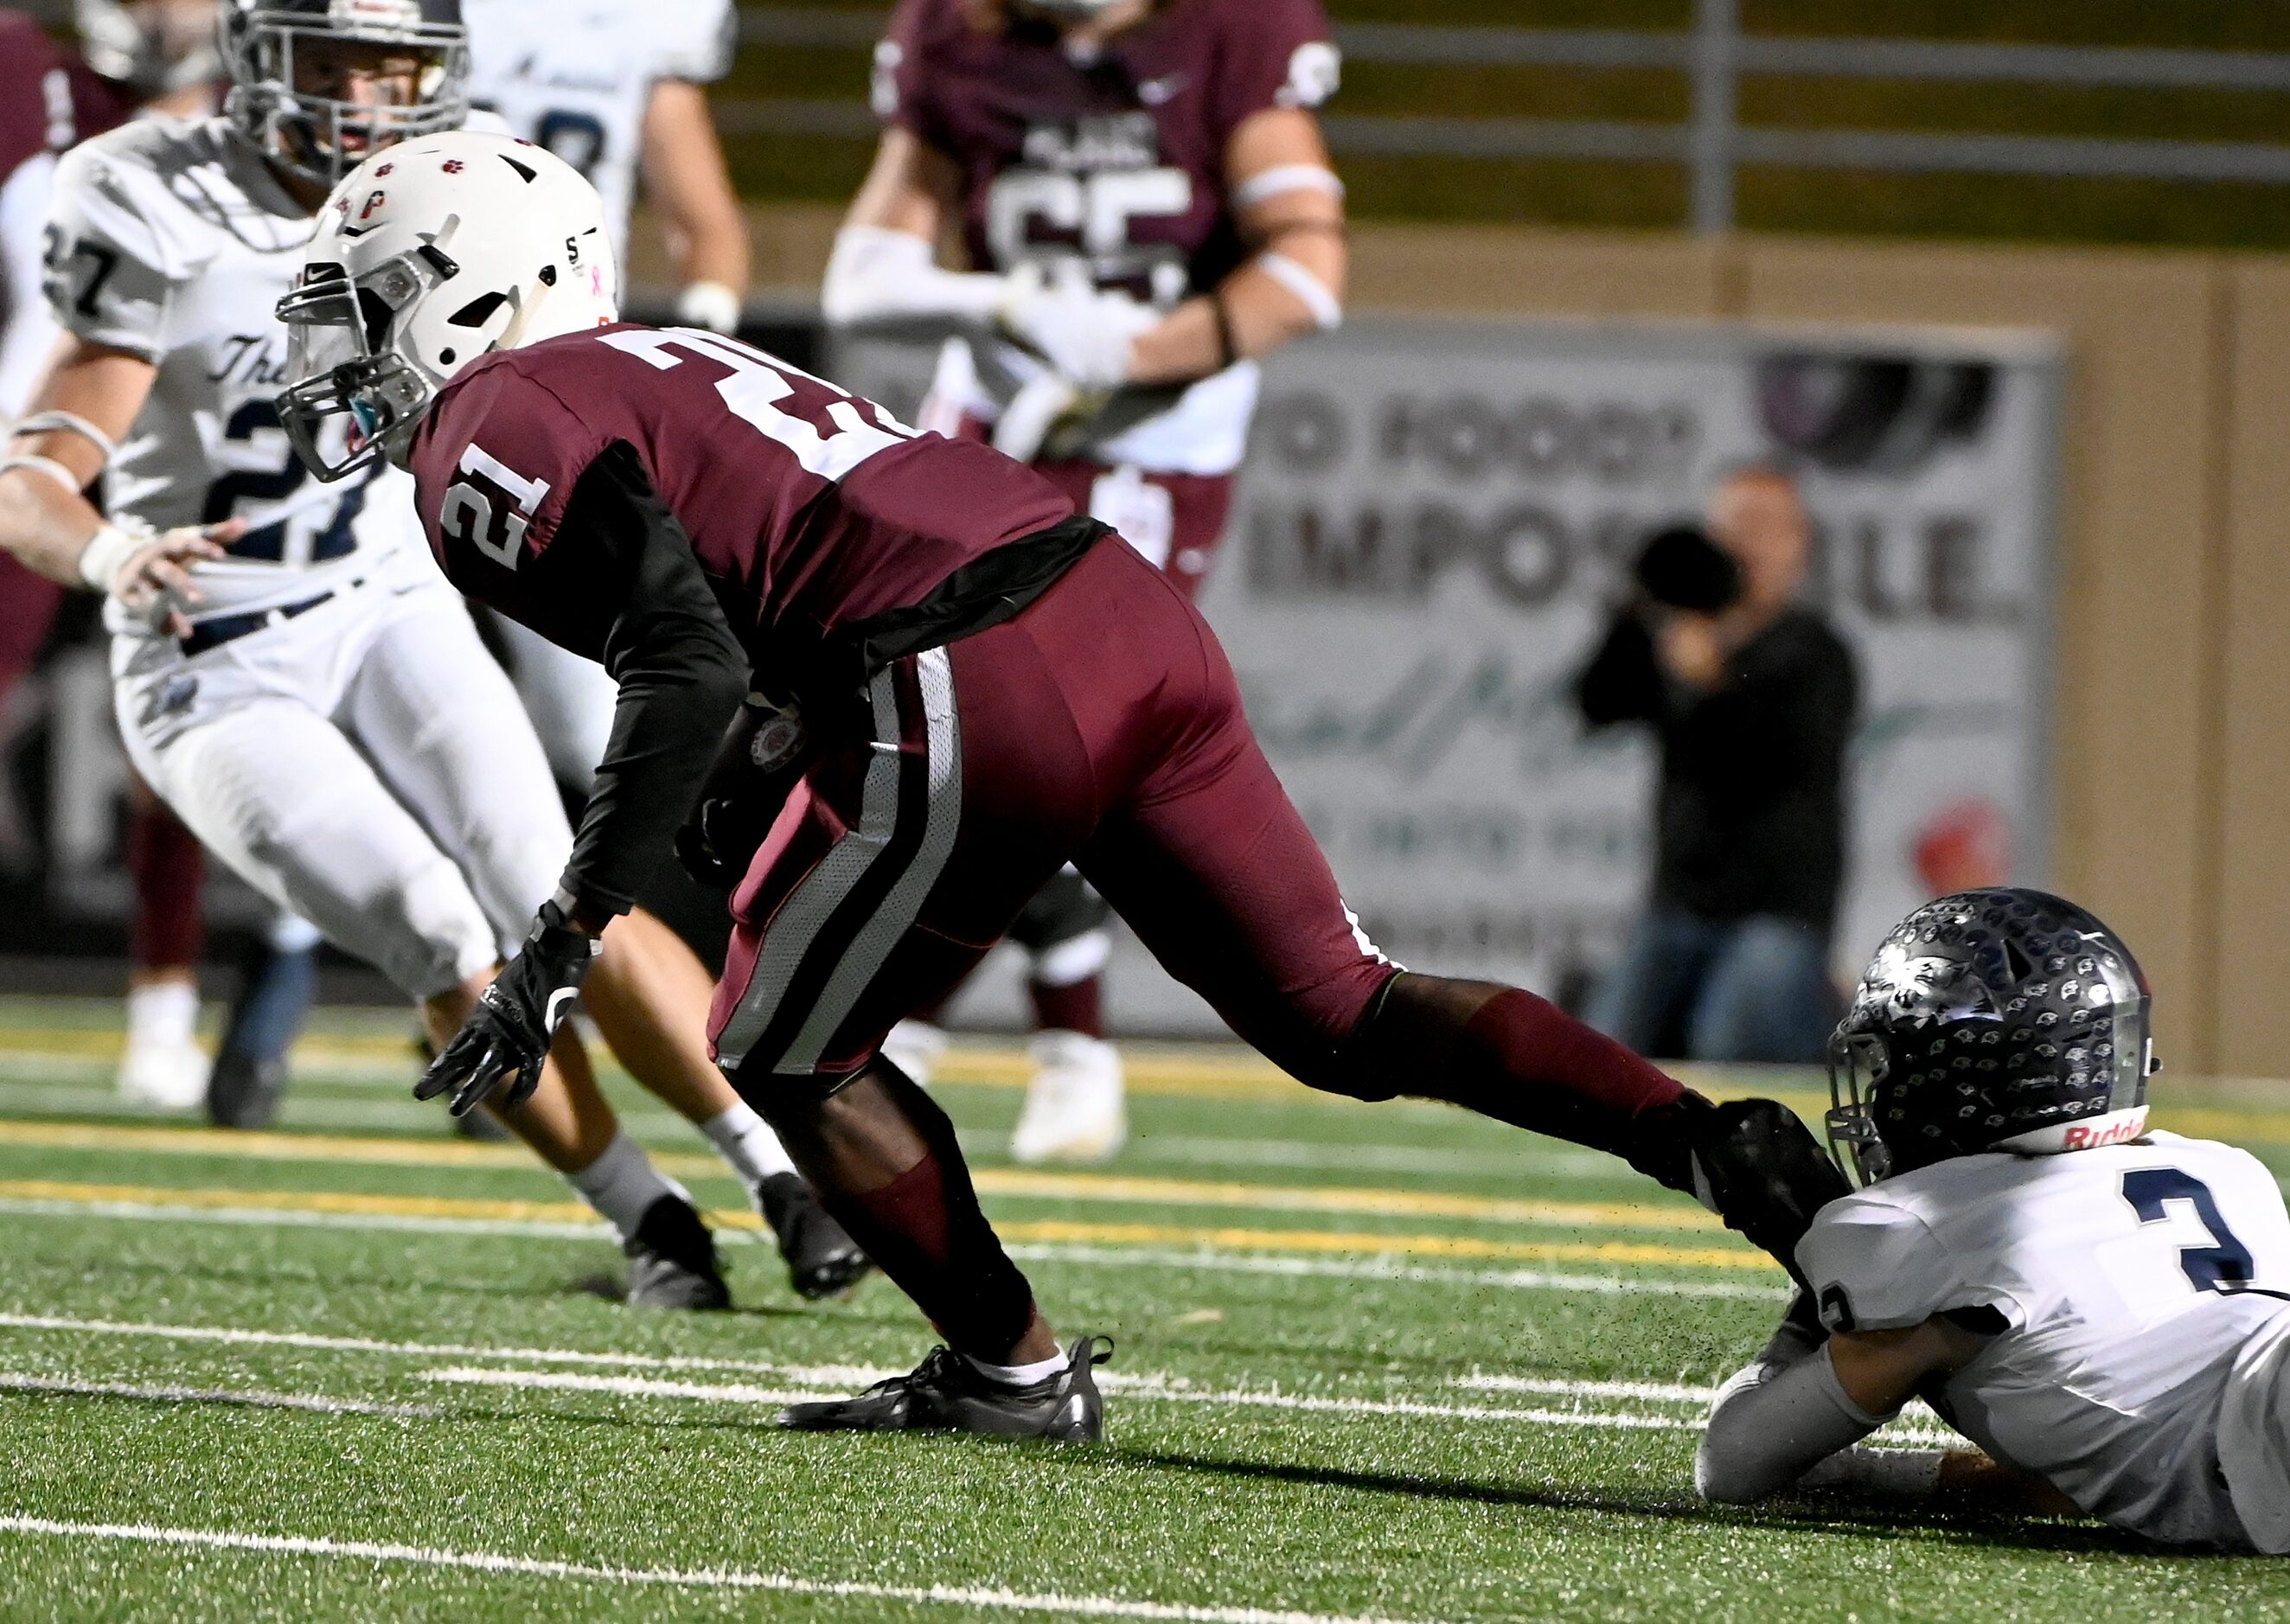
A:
[746,1140]
[621,1185]
[163,1064]
[1075,1110]
[914,1047]
[1018,1375]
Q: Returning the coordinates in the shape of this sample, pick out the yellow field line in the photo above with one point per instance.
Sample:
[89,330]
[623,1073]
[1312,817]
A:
[1077,1187]
[1053,1231]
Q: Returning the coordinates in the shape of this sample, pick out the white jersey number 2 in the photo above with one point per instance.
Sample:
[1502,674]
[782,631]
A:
[757,385]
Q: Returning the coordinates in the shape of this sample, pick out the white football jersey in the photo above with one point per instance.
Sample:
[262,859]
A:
[171,239]
[575,77]
[2125,1280]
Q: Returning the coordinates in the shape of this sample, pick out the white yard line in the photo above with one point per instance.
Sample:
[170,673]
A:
[1133,1387]
[13,1381]
[696,1578]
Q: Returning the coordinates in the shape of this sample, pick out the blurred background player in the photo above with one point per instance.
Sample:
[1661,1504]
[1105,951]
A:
[1753,696]
[157,56]
[616,89]
[311,698]
[2104,1310]
[1146,206]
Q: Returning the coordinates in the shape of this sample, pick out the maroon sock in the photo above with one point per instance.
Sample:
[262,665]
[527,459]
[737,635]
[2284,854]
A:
[1078,1006]
[169,871]
[1521,1059]
[925,1230]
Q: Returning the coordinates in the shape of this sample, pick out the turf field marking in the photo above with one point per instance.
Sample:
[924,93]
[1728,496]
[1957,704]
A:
[1514,1279]
[1067,1187]
[700,1578]
[369,1205]
[1158,1389]
[13,1381]
[809,1377]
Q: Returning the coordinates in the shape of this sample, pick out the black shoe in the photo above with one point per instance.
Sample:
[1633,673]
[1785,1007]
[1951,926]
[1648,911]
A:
[672,1261]
[946,1394]
[244,1091]
[821,1258]
[1760,1169]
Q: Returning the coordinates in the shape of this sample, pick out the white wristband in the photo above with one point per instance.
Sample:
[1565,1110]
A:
[710,305]
[106,551]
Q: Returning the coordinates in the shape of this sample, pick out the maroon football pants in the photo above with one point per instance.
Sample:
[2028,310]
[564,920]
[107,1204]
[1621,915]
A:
[1101,726]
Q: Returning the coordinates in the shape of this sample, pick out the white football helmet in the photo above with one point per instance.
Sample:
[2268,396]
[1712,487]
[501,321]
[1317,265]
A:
[151,46]
[439,251]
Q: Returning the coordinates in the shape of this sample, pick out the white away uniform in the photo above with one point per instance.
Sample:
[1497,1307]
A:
[576,78]
[332,729]
[2143,1368]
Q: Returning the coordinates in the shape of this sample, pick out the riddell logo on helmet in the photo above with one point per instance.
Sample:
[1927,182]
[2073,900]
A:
[2113,1133]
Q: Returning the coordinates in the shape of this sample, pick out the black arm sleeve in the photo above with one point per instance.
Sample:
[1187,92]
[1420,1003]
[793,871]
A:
[1622,683]
[681,672]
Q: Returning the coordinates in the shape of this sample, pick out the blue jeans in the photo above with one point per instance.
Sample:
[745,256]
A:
[1687,987]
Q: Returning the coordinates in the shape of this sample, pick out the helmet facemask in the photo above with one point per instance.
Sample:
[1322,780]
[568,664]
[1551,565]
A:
[275,56]
[345,352]
[1857,1067]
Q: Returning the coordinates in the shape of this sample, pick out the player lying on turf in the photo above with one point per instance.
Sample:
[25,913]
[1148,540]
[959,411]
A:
[2110,1322]
[986,686]
[290,673]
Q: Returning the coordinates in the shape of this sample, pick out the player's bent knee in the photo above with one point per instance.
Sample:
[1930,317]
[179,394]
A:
[436,936]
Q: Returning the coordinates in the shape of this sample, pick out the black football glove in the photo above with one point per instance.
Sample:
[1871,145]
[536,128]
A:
[762,757]
[506,1037]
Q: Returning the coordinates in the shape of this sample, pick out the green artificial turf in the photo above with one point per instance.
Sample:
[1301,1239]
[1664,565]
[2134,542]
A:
[1372,1362]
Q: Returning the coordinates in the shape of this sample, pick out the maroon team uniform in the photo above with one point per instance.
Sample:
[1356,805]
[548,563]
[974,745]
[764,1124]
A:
[993,685]
[1117,162]
[49,100]
[994,691]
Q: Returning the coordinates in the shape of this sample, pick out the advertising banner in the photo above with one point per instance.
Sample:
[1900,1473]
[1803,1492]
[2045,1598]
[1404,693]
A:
[1436,523]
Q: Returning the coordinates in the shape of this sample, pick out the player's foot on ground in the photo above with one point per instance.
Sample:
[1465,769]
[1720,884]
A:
[914,1047]
[947,1393]
[672,1261]
[249,1078]
[822,1257]
[1760,1169]
[243,1090]
[162,1064]
[1075,1110]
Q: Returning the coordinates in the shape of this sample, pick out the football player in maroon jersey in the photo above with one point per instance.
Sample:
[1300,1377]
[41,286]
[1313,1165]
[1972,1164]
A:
[981,684]
[1147,207]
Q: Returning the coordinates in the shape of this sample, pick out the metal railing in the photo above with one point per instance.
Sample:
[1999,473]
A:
[1713,144]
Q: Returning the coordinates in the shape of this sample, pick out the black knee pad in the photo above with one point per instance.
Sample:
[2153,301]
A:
[1066,908]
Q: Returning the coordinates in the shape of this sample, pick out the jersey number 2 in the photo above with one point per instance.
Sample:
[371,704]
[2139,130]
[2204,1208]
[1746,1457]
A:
[2225,1265]
[755,387]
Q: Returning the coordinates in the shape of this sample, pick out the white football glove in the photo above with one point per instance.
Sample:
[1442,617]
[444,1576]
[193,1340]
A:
[1085,335]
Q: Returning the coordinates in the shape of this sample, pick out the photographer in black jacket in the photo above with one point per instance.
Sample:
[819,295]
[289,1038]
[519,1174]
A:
[1752,698]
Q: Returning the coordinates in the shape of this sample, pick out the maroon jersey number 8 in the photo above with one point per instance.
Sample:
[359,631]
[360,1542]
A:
[757,384]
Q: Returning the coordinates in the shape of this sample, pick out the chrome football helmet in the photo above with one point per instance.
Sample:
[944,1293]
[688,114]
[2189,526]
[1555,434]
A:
[278,53]
[2006,1020]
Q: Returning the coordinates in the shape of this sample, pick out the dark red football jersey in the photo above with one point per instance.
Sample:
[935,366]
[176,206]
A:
[48,100]
[1120,159]
[809,508]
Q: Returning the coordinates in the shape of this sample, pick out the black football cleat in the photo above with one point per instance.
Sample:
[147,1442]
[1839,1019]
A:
[945,1393]
[1760,1169]
[821,1258]
[245,1091]
[672,1261]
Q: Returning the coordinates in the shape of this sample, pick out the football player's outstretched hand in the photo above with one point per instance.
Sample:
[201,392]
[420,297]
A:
[153,581]
[505,1040]
[1083,333]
